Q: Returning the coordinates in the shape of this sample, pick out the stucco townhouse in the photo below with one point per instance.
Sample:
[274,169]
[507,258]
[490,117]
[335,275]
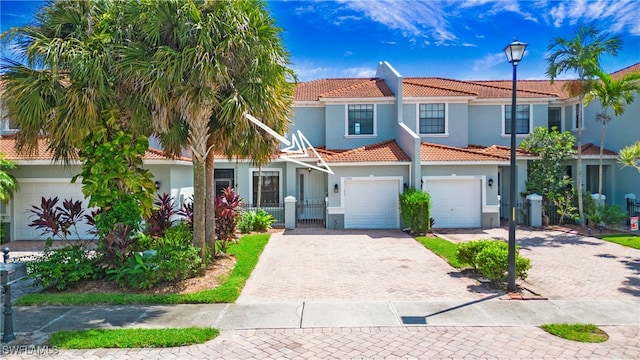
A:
[380,136]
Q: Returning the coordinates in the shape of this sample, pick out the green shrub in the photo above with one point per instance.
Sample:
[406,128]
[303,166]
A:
[255,221]
[609,215]
[177,235]
[61,267]
[612,215]
[493,262]
[167,264]
[414,207]
[467,252]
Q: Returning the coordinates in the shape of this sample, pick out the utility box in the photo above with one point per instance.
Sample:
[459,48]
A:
[12,272]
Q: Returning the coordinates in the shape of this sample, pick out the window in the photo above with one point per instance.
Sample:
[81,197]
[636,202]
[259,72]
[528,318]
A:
[270,192]
[361,120]
[432,119]
[554,118]
[223,178]
[522,119]
[578,117]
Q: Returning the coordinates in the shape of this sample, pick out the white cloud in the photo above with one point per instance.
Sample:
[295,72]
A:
[348,53]
[488,61]
[613,15]
[413,18]
[358,72]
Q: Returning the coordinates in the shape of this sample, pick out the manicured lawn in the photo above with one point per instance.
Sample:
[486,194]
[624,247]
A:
[588,333]
[247,251]
[443,248]
[131,338]
[626,240]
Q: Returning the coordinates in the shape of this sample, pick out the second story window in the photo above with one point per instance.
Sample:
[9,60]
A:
[361,121]
[554,118]
[577,124]
[523,119]
[432,119]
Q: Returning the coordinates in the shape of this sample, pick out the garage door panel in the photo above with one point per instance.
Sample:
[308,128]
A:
[455,202]
[30,194]
[371,204]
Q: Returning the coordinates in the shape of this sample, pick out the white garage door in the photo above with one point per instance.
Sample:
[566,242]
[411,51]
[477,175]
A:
[455,203]
[371,204]
[30,193]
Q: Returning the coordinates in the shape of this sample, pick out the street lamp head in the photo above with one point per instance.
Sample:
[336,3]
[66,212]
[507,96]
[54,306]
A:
[515,51]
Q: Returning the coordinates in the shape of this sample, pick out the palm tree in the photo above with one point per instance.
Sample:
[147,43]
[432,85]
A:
[67,86]
[614,94]
[630,156]
[582,56]
[201,66]
[8,183]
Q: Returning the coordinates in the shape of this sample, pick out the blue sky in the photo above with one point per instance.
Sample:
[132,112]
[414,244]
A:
[454,39]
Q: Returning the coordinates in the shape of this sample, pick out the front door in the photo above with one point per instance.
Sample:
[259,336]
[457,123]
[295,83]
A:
[311,194]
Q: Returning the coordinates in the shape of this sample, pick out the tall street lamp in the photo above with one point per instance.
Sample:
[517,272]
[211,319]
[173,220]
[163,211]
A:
[514,52]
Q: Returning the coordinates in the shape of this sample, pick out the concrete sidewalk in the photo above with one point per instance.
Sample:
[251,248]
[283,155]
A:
[490,311]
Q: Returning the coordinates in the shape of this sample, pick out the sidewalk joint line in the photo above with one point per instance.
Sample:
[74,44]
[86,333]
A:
[218,320]
[301,314]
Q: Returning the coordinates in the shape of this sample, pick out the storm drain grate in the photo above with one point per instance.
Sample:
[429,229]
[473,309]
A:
[414,320]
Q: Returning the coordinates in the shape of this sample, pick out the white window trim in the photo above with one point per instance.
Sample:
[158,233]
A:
[280,181]
[375,122]
[504,134]
[446,121]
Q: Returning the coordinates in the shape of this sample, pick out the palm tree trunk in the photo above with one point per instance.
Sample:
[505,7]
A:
[199,233]
[210,210]
[259,196]
[604,124]
[579,170]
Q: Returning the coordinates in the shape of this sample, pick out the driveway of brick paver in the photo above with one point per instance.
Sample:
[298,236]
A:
[570,266]
[375,265]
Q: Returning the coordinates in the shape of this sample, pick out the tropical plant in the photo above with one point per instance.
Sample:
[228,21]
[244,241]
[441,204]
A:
[227,207]
[61,267]
[630,156]
[253,220]
[68,87]
[218,60]
[55,220]
[415,206]
[161,217]
[547,174]
[8,183]
[615,94]
[581,55]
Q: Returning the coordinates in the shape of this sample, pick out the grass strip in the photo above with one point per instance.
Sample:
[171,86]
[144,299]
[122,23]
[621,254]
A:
[247,252]
[632,241]
[131,338]
[587,333]
[443,248]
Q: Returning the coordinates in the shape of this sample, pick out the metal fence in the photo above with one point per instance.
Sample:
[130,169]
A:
[311,213]
[276,210]
[633,207]
[522,212]
[551,212]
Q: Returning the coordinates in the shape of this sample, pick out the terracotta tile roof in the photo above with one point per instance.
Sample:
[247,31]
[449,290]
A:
[342,88]
[8,147]
[437,152]
[386,151]
[498,150]
[590,149]
[628,70]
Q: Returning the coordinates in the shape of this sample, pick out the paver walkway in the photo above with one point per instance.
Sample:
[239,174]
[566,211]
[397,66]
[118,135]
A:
[380,343]
[334,265]
[571,266]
